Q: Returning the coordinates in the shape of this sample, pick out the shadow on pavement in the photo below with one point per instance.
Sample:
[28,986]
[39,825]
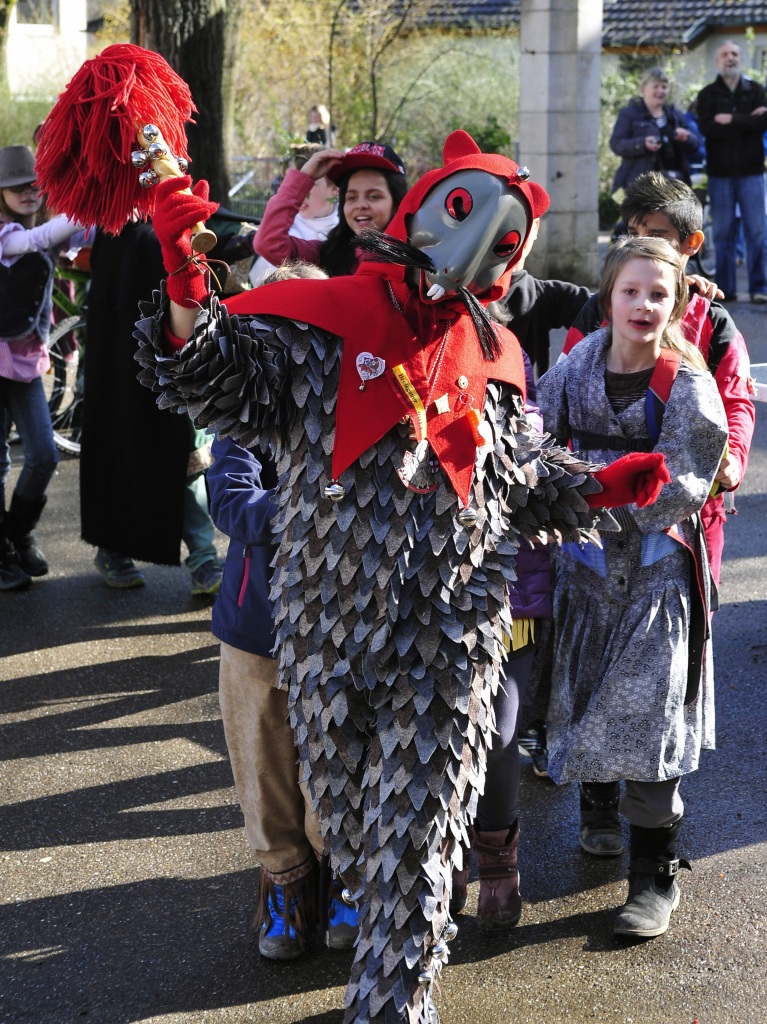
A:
[129,952]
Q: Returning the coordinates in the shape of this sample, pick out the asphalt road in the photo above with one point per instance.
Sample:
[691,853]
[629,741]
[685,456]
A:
[127,889]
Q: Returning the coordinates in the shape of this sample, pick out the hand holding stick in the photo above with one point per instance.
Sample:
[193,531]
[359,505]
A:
[177,219]
[164,165]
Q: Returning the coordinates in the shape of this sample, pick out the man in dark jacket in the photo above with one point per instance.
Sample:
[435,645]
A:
[732,113]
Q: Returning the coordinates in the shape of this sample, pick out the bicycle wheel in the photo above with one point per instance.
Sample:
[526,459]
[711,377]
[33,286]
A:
[60,350]
[64,383]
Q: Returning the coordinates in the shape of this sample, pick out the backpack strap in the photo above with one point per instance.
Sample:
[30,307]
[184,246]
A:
[663,377]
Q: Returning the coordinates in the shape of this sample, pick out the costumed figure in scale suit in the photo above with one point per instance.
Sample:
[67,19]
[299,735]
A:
[407,478]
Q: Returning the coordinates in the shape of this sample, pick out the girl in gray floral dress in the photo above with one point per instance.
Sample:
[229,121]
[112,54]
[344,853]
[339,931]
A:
[631,671]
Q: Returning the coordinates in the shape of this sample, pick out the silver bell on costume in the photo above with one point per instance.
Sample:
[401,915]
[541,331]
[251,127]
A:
[156,151]
[147,179]
[334,491]
[467,516]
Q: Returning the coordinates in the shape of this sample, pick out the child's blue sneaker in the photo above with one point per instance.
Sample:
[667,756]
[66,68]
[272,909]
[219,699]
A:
[343,921]
[273,942]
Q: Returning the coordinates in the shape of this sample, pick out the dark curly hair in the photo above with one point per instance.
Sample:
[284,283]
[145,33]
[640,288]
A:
[338,256]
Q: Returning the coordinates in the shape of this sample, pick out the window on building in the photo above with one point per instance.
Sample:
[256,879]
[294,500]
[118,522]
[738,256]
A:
[35,12]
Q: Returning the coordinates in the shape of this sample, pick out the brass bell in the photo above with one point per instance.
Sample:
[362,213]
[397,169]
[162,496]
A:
[335,491]
[148,178]
[467,516]
[139,158]
[150,132]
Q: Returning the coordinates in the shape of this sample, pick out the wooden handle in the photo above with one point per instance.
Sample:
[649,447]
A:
[166,166]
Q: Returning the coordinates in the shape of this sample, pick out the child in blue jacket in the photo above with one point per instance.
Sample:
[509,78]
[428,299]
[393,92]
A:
[281,827]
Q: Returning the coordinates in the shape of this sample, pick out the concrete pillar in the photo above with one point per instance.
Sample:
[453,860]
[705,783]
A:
[560,66]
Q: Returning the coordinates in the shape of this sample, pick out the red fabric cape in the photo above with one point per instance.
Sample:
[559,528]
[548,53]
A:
[360,311]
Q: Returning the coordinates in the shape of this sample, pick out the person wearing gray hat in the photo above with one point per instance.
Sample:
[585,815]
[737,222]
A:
[26,281]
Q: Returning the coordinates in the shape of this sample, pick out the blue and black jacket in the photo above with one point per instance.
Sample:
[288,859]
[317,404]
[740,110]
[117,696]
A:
[241,486]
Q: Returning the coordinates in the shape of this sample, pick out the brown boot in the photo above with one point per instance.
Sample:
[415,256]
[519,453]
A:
[460,891]
[500,905]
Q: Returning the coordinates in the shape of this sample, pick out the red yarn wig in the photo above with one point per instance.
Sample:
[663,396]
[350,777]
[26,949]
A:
[83,159]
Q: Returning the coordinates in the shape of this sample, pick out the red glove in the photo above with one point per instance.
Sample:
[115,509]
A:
[177,211]
[635,478]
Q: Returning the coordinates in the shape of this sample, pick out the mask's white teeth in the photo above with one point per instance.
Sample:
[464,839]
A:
[436,292]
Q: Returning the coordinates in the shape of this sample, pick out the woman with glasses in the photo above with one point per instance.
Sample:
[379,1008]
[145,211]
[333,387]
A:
[26,282]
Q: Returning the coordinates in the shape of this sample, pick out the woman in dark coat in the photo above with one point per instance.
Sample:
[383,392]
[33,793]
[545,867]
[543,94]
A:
[652,135]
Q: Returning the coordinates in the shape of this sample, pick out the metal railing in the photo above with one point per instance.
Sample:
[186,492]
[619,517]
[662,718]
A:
[254,181]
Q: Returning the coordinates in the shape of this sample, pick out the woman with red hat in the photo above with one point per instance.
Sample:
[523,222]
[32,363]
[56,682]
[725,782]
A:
[371,182]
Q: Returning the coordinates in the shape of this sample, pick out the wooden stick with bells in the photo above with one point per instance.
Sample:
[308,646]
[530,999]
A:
[157,163]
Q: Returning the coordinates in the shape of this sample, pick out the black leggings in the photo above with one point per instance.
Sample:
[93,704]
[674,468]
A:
[498,807]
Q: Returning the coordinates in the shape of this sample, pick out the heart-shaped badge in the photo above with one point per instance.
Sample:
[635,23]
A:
[369,366]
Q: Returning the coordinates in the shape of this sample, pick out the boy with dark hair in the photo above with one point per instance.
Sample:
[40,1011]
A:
[661,207]
[654,194]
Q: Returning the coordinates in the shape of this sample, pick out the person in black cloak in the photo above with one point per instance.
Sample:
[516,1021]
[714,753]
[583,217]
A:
[138,498]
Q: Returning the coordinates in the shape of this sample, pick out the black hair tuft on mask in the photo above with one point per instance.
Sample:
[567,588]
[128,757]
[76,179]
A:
[483,325]
[386,249]
[383,248]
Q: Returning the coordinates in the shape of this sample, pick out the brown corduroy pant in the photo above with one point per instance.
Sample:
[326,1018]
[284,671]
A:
[280,825]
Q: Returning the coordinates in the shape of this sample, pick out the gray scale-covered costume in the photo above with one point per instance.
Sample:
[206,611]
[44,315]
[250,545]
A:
[390,620]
